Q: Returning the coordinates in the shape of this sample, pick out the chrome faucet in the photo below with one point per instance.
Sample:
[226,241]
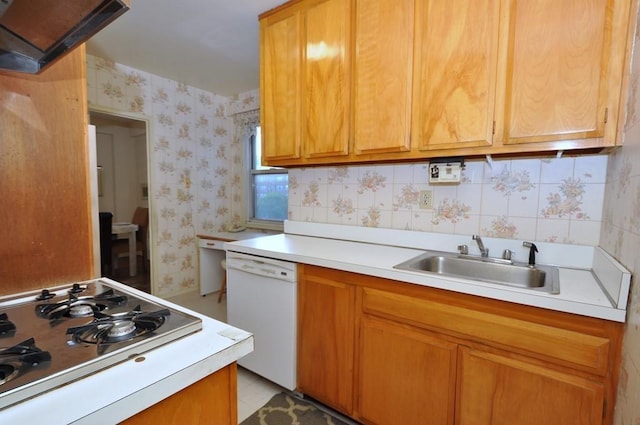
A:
[484,252]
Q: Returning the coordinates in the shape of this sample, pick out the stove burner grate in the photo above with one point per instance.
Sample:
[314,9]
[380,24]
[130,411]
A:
[77,306]
[107,329]
[20,358]
[7,327]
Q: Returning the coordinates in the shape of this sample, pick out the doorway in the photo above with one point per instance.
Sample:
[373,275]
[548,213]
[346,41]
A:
[123,188]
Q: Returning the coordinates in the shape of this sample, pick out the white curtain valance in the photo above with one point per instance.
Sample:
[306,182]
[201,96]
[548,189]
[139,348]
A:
[246,122]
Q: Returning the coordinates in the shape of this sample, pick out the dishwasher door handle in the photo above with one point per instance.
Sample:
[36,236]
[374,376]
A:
[288,271]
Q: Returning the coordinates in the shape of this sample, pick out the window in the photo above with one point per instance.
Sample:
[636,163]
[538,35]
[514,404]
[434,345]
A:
[269,189]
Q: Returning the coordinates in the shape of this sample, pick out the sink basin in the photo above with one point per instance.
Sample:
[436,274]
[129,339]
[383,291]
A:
[539,277]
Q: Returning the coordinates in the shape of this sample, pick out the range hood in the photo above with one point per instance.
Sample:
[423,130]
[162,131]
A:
[34,33]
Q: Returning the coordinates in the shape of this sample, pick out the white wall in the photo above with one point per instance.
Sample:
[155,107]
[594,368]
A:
[123,157]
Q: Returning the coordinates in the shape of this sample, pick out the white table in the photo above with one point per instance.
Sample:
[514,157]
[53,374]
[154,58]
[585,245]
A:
[130,230]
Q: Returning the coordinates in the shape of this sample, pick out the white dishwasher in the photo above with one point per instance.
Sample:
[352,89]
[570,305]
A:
[261,299]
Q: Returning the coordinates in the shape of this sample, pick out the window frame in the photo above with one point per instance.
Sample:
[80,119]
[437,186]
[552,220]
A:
[251,172]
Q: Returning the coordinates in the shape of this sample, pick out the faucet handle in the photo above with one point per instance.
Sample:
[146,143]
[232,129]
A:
[463,249]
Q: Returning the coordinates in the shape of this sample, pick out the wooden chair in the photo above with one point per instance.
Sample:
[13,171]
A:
[120,247]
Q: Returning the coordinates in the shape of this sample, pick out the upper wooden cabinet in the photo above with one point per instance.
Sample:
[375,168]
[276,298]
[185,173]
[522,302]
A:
[455,86]
[280,60]
[306,81]
[382,76]
[393,80]
[562,70]
[327,78]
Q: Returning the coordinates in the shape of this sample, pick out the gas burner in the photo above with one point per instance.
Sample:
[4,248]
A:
[7,327]
[121,328]
[79,306]
[81,310]
[108,329]
[19,358]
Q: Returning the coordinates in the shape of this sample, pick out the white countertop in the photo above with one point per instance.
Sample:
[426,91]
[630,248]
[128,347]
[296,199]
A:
[580,291]
[120,391]
[237,236]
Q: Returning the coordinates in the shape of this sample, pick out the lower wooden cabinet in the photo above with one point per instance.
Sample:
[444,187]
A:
[211,400]
[495,389]
[406,377]
[387,353]
[326,336]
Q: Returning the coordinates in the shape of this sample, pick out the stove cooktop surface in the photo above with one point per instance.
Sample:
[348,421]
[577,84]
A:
[51,337]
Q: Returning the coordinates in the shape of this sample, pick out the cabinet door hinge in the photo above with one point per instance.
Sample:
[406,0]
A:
[606,115]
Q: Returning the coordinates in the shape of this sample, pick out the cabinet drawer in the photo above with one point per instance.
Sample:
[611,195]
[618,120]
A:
[576,349]
[211,244]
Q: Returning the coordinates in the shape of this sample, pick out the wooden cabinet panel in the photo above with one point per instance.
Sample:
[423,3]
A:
[326,333]
[280,62]
[456,61]
[212,400]
[401,369]
[431,78]
[382,75]
[46,213]
[327,78]
[586,352]
[558,69]
[496,390]
[423,355]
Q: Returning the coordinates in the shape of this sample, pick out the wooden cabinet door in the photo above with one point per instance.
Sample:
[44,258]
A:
[212,400]
[46,211]
[382,75]
[456,61]
[562,72]
[497,390]
[280,69]
[326,332]
[406,377]
[326,78]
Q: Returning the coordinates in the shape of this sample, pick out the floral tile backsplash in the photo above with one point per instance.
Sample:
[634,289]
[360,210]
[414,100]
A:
[551,200]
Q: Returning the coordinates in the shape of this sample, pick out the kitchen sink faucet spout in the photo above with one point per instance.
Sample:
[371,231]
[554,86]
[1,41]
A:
[484,252]
[532,252]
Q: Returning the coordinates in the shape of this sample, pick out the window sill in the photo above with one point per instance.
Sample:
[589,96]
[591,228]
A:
[265,225]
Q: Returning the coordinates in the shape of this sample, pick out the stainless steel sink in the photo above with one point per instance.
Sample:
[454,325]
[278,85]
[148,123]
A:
[538,277]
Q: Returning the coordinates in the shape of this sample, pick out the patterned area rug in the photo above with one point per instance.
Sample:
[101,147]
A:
[283,409]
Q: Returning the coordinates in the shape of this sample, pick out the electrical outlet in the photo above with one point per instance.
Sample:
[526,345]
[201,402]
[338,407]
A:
[425,199]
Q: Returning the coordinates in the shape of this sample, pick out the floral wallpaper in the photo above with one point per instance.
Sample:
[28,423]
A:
[195,161]
[551,200]
[621,237]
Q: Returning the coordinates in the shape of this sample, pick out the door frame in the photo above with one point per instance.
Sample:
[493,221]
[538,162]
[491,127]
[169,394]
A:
[136,116]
